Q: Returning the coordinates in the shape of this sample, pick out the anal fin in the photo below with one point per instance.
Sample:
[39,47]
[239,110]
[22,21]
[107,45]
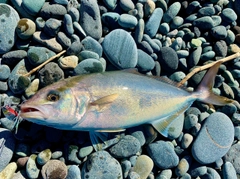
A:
[162,125]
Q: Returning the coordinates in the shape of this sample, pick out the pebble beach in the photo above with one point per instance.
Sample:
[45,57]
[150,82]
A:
[157,37]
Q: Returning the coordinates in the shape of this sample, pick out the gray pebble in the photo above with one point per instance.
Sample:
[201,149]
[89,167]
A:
[133,175]
[183,166]
[190,121]
[85,54]
[44,156]
[168,59]
[140,136]
[40,23]
[220,48]
[229,171]
[194,57]
[91,44]
[233,157]
[145,62]
[38,55]
[197,170]
[204,23]
[90,18]
[68,24]
[74,13]
[165,174]
[75,48]
[7,145]
[73,172]
[72,155]
[216,134]
[176,22]
[79,30]
[163,160]
[126,166]
[110,19]
[85,151]
[126,147]
[31,168]
[127,21]
[164,28]
[101,165]
[13,57]
[186,140]
[89,65]
[219,32]
[228,15]
[50,73]
[52,26]
[63,39]
[153,22]
[120,49]
[146,47]
[206,11]
[50,10]
[171,12]
[4,72]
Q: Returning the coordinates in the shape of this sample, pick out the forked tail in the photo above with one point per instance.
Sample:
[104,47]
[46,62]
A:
[204,91]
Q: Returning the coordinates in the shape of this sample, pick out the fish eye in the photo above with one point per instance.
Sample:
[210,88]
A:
[53,96]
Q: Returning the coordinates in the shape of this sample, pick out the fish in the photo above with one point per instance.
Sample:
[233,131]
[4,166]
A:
[116,100]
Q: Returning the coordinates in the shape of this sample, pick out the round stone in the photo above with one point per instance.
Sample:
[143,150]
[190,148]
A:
[8,22]
[120,49]
[164,160]
[25,28]
[52,26]
[68,62]
[54,169]
[32,7]
[51,10]
[219,32]
[168,59]
[143,166]
[171,12]
[233,157]
[101,165]
[204,23]
[214,139]
[229,171]
[126,147]
[91,44]
[145,62]
[73,172]
[31,168]
[228,15]
[89,65]
[127,21]
[7,145]
[4,72]
[44,156]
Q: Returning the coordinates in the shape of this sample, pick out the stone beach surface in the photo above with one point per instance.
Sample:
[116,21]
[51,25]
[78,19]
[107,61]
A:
[158,37]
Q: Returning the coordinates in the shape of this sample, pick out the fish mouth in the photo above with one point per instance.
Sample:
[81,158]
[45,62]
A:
[31,112]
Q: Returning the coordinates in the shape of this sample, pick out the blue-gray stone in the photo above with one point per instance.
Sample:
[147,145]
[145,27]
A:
[214,139]
[153,22]
[211,173]
[38,55]
[182,53]
[216,20]
[139,8]
[44,156]
[228,15]
[126,147]
[85,54]
[52,26]
[13,57]
[8,22]
[229,171]
[31,167]
[120,49]
[146,47]
[219,32]
[168,59]
[18,83]
[127,21]
[73,172]
[176,22]
[190,121]
[101,165]
[50,10]
[85,150]
[194,57]
[152,43]
[68,25]
[177,76]
[145,62]
[233,157]
[230,37]
[90,18]
[164,28]
[75,48]
[40,23]
[177,44]
[204,23]
[79,30]
[91,44]
[74,13]
[220,48]
[126,166]
[63,39]
[171,12]
[7,145]
[50,73]
[183,166]
[206,11]
[110,19]
[72,155]
[111,4]
[190,18]
[19,7]
[164,160]
[207,56]
[197,170]
[4,72]
[126,5]
[192,7]
[22,150]
[32,7]
[89,65]
[236,73]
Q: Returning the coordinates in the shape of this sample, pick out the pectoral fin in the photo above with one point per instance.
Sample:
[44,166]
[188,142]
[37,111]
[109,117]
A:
[162,125]
[102,103]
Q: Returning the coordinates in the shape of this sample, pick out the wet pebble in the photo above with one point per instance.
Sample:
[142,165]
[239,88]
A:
[44,156]
[216,134]
[73,172]
[143,166]
[101,164]
[120,49]
[126,147]
[54,169]
[50,73]
[9,19]
[166,160]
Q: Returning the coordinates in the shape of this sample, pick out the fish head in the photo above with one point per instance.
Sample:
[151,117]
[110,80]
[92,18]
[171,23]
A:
[58,105]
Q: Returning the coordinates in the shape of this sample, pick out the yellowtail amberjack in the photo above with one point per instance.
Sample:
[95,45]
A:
[114,101]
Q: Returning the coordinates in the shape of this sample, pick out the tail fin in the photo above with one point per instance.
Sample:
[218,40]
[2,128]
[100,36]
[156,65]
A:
[204,91]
